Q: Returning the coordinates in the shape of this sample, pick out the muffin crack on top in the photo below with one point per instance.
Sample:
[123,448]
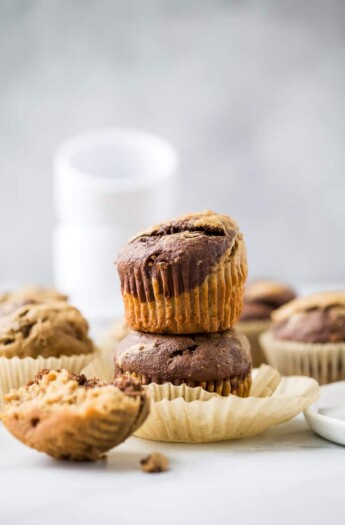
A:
[184,276]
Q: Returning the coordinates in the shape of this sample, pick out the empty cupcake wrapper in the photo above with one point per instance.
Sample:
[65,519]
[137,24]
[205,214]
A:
[193,415]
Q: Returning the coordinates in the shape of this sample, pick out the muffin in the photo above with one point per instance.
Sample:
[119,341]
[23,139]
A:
[71,417]
[261,298]
[307,337]
[44,329]
[9,301]
[218,362]
[184,276]
[41,335]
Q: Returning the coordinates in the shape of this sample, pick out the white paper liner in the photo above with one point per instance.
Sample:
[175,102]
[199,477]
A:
[252,330]
[324,362]
[192,415]
[15,372]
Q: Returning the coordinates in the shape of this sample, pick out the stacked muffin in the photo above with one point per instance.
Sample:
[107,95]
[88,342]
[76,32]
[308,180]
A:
[182,284]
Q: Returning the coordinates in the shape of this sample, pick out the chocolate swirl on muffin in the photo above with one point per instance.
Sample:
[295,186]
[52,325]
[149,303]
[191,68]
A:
[317,320]
[173,272]
[307,337]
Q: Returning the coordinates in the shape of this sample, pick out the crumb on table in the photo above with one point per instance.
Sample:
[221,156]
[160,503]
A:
[155,462]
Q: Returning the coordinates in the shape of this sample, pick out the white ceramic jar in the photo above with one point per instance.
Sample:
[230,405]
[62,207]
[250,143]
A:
[108,185]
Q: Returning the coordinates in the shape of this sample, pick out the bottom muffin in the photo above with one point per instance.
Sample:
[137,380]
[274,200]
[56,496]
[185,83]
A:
[219,362]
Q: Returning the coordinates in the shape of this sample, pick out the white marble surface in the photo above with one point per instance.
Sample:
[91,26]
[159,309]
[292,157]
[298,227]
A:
[285,475]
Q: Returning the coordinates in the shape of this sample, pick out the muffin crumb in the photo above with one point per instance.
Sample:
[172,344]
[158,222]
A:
[155,462]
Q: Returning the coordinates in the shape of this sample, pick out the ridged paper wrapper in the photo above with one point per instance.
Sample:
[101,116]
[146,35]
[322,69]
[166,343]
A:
[324,362]
[193,415]
[215,305]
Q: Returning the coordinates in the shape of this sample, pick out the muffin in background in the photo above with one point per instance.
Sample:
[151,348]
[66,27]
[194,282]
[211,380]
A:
[307,337]
[11,300]
[41,335]
[261,299]
[184,276]
[218,362]
[44,329]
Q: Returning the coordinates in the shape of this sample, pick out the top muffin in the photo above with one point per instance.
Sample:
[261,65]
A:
[184,276]
[44,329]
[261,298]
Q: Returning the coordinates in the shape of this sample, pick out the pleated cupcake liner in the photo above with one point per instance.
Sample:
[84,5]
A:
[235,385]
[252,330]
[16,372]
[193,415]
[323,362]
[213,306]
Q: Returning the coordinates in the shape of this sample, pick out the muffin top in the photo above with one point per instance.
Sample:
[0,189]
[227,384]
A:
[180,254]
[317,318]
[261,298]
[165,358]
[46,329]
[10,301]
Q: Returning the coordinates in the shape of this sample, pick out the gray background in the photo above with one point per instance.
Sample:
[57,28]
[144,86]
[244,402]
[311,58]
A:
[251,93]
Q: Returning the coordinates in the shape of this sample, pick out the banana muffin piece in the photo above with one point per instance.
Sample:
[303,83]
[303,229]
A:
[307,337]
[219,362]
[44,329]
[261,298]
[68,416]
[184,276]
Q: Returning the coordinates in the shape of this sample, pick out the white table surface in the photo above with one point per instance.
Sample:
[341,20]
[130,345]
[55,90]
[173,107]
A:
[285,475]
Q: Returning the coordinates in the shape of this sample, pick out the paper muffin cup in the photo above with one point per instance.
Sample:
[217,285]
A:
[16,372]
[252,330]
[225,418]
[324,362]
[213,306]
[193,415]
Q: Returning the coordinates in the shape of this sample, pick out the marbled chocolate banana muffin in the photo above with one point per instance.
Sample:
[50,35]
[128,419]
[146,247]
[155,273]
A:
[218,362]
[307,337]
[44,329]
[69,416]
[261,298]
[184,276]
